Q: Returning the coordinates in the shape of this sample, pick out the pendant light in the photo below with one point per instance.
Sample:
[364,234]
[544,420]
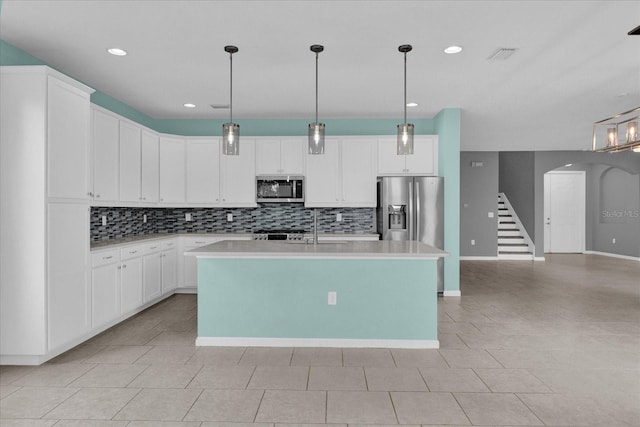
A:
[405,130]
[316,130]
[231,131]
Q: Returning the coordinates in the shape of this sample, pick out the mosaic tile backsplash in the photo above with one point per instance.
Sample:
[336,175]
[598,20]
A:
[126,222]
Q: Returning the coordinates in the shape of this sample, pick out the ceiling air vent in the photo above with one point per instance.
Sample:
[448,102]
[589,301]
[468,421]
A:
[502,53]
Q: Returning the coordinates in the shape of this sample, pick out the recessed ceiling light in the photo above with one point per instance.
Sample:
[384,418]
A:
[117,51]
[189,105]
[412,104]
[453,49]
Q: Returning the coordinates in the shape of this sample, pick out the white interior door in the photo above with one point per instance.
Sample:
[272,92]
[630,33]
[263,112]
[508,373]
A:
[564,211]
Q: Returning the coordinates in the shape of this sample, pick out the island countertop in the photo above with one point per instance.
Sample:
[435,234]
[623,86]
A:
[382,249]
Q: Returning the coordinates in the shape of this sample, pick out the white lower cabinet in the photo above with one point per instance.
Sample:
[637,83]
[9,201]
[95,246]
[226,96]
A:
[105,288]
[169,267]
[131,279]
[152,272]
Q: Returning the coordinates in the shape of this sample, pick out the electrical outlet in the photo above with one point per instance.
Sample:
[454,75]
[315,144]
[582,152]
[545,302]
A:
[144,218]
[188,217]
[613,240]
[339,217]
[104,220]
[473,242]
[229,217]
[332,298]
[490,214]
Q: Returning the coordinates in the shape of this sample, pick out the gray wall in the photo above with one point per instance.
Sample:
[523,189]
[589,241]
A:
[478,196]
[516,181]
[598,233]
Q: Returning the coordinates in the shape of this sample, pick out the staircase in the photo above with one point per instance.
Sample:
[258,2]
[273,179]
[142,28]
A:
[513,241]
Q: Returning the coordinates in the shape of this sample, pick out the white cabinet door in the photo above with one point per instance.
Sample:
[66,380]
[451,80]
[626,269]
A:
[68,272]
[358,172]
[268,157]
[68,120]
[389,162]
[323,176]
[292,156]
[105,156]
[203,171]
[129,162]
[105,294]
[131,284]
[150,167]
[172,170]
[238,179]
[169,271]
[152,276]
[423,161]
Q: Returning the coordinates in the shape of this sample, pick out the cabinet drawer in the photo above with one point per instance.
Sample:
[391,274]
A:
[105,257]
[195,242]
[150,248]
[168,244]
[131,252]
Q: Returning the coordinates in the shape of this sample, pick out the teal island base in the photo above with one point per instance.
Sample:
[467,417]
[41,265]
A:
[310,302]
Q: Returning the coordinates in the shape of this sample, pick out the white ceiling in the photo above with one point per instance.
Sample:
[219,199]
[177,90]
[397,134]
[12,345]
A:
[575,63]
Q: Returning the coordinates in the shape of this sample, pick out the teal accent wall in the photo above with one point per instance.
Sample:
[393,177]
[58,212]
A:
[287,298]
[447,126]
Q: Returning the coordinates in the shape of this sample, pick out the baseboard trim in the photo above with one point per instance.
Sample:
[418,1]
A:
[314,342]
[186,290]
[452,294]
[627,257]
[478,258]
[538,258]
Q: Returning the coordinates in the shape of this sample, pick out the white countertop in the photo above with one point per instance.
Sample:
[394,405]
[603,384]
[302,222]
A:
[382,249]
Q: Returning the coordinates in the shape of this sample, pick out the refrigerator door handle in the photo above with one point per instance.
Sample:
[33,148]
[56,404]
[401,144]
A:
[417,198]
[411,217]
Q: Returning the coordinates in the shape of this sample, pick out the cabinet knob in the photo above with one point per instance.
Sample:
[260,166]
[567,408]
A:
[124,266]
[119,268]
[97,195]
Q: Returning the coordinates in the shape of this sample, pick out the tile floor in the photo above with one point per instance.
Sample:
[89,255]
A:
[552,343]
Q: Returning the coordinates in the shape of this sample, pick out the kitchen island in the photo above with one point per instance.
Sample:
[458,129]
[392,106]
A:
[339,294]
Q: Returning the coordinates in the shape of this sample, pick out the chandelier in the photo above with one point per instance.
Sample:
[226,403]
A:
[617,133]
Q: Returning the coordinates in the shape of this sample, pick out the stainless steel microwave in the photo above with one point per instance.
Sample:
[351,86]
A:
[279,189]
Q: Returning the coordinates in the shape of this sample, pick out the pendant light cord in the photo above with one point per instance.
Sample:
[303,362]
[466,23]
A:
[230,87]
[405,90]
[316,87]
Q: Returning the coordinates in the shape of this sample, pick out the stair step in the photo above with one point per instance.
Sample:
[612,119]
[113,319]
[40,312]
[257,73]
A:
[505,233]
[522,250]
[509,239]
[507,226]
[516,256]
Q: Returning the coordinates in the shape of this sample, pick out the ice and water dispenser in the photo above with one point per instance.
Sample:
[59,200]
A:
[397,217]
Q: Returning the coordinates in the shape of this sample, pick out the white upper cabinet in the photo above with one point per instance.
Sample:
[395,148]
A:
[68,121]
[129,162]
[172,170]
[150,167]
[424,160]
[344,176]
[238,177]
[105,156]
[203,171]
[280,156]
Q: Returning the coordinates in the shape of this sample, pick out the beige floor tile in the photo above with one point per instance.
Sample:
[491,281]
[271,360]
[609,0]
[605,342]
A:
[93,404]
[53,375]
[511,381]
[451,341]
[109,375]
[371,357]
[460,380]
[595,382]
[216,356]
[569,410]
[496,409]
[119,354]
[427,408]
[166,376]
[91,423]
[6,390]
[78,354]
[408,358]
[394,379]
[10,373]
[225,424]
[226,405]
[317,357]
[164,424]
[281,406]
[337,378]
[266,356]
[469,359]
[360,407]
[223,377]
[159,405]
[187,339]
[167,354]
[33,402]
[279,378]
[28,423]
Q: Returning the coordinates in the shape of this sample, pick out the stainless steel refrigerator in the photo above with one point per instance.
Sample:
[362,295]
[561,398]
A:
[412,208]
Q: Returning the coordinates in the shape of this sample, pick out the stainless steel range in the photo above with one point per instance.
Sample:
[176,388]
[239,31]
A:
[278,235]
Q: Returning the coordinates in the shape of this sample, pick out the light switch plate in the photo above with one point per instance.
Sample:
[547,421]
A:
[332,298]
[339,217]
[490,214]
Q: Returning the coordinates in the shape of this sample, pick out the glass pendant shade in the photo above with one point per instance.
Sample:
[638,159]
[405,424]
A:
[230,139]
[405,139]
[632,131]
[316,138]
[612,137]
